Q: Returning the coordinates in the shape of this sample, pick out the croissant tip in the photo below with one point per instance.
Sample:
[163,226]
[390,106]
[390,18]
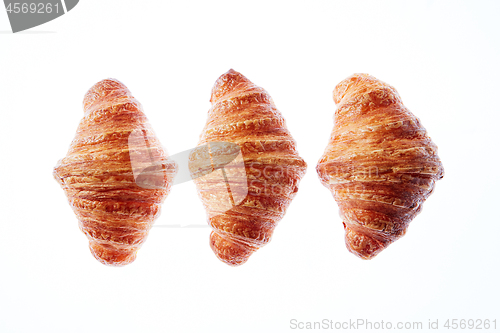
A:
[359,84]
[56,176]
[109,83]
[226,83]
[229,251]
[231,74]
[233,263]
[103,89]
[362,245]
[361,255]
[111,256]
[361,75]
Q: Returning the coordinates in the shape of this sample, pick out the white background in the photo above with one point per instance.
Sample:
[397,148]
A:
[441,56]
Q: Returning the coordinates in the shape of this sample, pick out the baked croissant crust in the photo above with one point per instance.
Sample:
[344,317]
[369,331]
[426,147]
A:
[245,114]
[380,164]
[116,173]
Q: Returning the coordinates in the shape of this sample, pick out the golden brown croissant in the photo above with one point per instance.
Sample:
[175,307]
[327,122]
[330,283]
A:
[245,114]
[116,173]
[380,164]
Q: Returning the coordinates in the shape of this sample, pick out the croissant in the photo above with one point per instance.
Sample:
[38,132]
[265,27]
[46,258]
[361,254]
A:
[245,114]
[116,173]
[379,164]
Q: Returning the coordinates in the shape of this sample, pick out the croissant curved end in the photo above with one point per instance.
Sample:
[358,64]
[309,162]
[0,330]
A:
[56,176]
[226,83]
[111,256]
[361,245]
[366,88]
[229,251]
[103,90]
